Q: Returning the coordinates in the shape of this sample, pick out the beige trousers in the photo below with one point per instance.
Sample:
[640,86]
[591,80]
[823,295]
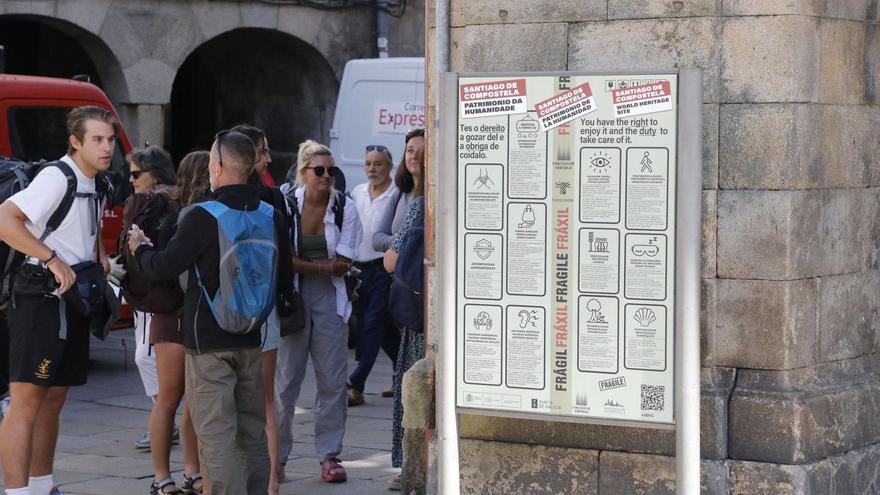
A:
[225,395]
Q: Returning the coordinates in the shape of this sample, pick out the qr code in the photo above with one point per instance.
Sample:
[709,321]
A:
[653,397]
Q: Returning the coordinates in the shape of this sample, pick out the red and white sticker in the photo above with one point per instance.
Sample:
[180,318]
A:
[565,107]
[492,98]
[639,100]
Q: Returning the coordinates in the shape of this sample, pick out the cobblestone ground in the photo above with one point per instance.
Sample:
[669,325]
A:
[101,421]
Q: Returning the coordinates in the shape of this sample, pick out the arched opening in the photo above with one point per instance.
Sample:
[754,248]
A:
[44,46]
[257,76]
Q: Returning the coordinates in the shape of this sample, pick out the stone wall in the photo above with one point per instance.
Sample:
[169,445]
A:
[139,47]
[791,287]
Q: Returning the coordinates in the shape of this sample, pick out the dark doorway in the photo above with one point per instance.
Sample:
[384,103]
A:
[257,76]
[35,48]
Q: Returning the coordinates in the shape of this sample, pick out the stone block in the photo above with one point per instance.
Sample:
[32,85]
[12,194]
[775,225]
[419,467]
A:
[413,473]
[872,62]
[509,47]
[796,234]
[710,145]
[407,34]
[842,61]
[708,300]
[806,414]
[259,15]
[87,14]
[709,228]
[769,146]
[470,12]
[771,7]
[497,467]
[35,7]
[648,45]
[143,123]
[715,389]
[123,37]
[149,81]
[849,145]
[769,479]
[622,473]
[765,324]
[418,395]
[780,65]
[169,33]
[847,315]
[215,18]
[857,10]
[337,37]
[652,9]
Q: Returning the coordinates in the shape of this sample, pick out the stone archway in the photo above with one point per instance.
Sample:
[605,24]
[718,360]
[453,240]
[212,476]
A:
[47,46]
[251,75]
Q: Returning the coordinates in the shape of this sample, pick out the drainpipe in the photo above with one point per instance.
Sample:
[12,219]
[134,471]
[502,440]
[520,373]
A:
[447,419]
[382,27]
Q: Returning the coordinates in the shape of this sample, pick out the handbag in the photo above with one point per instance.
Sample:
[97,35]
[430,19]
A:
[295,320]
[89,289]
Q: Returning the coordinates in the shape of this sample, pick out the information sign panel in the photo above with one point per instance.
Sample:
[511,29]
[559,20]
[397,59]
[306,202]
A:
[565,246]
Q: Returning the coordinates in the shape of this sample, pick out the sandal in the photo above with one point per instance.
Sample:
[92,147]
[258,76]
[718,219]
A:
[332,471]
[189,484]
[158,488]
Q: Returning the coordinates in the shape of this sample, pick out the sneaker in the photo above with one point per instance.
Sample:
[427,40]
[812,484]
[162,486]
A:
[355,397]
[394,483]
[56,491]
[144,442]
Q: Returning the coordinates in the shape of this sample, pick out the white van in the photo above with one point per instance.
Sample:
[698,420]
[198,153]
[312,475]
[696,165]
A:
[380,99]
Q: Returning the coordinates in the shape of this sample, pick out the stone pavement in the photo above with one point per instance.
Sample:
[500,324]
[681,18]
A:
[101,421]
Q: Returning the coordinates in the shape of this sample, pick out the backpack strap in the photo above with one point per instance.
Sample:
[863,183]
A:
[66,203]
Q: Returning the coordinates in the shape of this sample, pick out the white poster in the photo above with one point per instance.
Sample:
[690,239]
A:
[565,242]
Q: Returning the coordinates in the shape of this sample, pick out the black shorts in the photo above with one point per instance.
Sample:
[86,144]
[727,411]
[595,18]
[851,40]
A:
[37,354]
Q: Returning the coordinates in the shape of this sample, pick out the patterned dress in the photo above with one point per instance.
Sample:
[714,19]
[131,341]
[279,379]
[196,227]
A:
[412,344]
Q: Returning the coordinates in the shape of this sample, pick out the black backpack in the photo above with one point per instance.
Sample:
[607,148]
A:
[405,299]
[16,175]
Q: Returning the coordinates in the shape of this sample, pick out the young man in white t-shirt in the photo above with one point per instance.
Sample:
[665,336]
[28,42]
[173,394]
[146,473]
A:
[49,344]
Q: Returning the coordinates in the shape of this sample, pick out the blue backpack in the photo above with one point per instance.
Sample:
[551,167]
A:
[406,300]
[248,267]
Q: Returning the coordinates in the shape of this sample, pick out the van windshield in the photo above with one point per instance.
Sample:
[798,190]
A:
[40,133]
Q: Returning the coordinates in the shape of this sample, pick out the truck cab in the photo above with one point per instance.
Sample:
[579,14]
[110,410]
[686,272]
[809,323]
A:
[33,115]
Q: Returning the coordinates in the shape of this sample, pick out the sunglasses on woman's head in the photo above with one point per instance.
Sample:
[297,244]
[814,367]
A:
[417,131]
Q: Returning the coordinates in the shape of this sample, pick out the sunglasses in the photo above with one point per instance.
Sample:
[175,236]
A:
[320,170]
[380,149]
[219,138]
[415,132]
[137,173]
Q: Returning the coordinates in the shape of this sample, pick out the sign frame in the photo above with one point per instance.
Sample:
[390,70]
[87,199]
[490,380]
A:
[686,165]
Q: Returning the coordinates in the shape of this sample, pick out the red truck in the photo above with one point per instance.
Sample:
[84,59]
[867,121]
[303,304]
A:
[33,115]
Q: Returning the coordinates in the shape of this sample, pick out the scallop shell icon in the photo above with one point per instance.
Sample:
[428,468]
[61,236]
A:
[644,317]
[483,248]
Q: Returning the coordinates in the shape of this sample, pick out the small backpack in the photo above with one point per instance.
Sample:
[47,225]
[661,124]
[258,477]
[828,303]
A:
[405,299]
[147,210]
[16,175]
[248,267]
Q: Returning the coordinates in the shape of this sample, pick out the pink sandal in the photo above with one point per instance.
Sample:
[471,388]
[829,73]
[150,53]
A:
[332,471]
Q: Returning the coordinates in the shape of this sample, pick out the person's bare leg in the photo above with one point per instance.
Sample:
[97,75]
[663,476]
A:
[269,360]
[46,432]
[17,432]
[169,364]
[190,448]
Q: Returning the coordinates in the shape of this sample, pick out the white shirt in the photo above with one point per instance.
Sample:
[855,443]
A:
[74,240]
[370,211]
[339,242]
